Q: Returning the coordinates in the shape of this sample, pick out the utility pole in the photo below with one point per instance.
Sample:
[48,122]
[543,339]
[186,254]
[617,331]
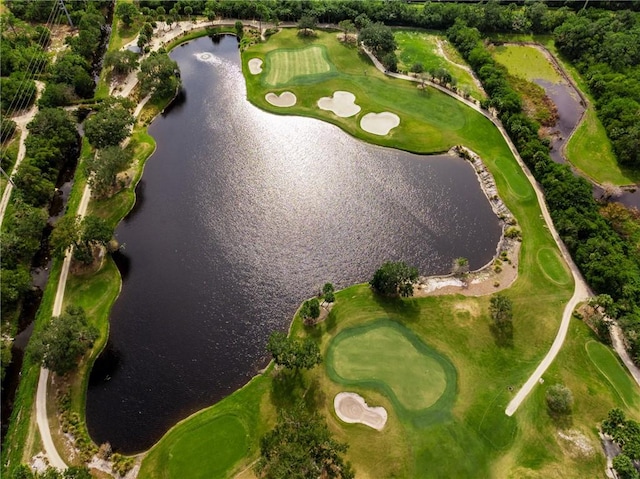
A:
[64,8]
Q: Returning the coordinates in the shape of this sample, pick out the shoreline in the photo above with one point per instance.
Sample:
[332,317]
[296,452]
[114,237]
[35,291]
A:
[502,270]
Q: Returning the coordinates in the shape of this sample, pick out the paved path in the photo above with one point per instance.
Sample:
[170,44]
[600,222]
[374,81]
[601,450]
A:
[618,345]
[21,123]
[581,291]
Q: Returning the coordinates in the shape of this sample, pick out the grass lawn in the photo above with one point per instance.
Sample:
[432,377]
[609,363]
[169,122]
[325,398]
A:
[284,66]
[419,46]
[589,149]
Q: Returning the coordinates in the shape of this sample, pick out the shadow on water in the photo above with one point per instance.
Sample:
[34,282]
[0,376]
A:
[123,262]
[105,366]
[139,204]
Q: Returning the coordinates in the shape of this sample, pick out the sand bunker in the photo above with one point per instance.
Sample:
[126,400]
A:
[342,104]
[285,99]
[255,66]
[379,123]
[352,408]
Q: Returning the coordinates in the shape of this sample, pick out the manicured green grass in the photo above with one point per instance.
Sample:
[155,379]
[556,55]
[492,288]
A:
[419,46]
[608,364]
[552,268]
[589,149]
[370,355]
[284,66]
[213,442]
[526,62]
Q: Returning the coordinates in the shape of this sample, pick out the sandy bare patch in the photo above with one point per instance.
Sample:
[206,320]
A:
[575,443]
[284,100]
[342,103]
[255,66]
[352,408]
[379,123]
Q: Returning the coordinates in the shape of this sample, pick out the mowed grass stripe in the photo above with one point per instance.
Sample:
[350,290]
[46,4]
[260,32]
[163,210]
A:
[284,66]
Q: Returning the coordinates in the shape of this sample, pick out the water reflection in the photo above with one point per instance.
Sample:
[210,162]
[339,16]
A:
[245,215]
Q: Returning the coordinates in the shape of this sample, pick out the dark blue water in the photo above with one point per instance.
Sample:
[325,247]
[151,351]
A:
[242,215]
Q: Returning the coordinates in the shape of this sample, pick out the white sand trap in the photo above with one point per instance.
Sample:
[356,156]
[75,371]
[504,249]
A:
[342,103]
[379,123]
[352,408]
[433,284]
[285,99]
[255,66]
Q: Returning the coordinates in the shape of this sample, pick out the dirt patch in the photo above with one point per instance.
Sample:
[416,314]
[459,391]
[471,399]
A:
[575,444]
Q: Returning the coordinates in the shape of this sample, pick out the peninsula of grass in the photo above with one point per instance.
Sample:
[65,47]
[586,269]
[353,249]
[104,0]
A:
[422,47]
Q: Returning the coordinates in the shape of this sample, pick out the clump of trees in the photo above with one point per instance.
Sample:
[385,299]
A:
[110,124]
[159,76]
[293,354]
[394,279]
[310,310]
[61,343]
[301,446]
[626,434]
[328,292]
[102,169]
[84,235]
[559,399]
[306,25]
[379,38]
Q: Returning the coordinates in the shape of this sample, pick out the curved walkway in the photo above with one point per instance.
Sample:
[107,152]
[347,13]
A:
[581,291]
[21,123]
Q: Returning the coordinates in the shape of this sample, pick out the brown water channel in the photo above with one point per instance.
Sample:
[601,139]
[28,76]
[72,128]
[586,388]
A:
[241,215]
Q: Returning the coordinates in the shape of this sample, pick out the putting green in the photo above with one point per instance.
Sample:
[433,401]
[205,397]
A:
[284,65]
[222,441]
[385,355]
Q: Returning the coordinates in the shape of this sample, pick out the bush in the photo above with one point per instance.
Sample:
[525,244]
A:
[559,399]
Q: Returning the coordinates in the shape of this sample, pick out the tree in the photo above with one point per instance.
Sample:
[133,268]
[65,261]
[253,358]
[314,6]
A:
[390,61]
[378,37]
[460,266]
[306,24]
[103,167]
[293,354]
[159,76]
[501,308]
[63,340]
[301,447]
[239,29]
[393,279]
[417,67]
[83,235]
[110,125]
[559,399]
[347,27]
[121,62]
[328,291]
[13,284]
[624,467]
[310,310]
[127,13]
[188,11]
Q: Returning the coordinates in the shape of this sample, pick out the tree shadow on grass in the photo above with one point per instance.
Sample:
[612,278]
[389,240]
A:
[290,389]
[502,333]
[399,308]
[561,421]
